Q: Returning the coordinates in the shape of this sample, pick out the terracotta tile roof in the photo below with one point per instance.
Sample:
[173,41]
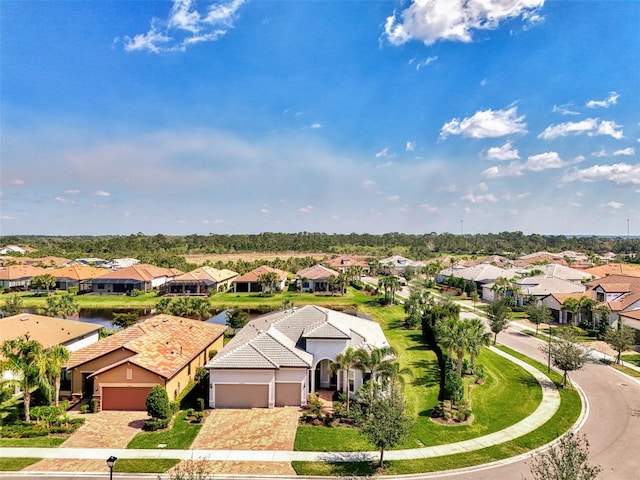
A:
[634,314]
[561,297]
[163,344]
[346,261]
[49,331]
[317,272]
[78,272]
[17,272]
[206,274]
[253,275]
[614,269]
[616,283]
[142,272]
[53,261]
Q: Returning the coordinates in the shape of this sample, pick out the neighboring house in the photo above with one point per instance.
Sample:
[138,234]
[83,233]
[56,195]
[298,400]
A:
[12,250]
[201,281]
[249,281]
[482,275]
[541,286]
[344,262]
[92,262]
[632,319]
[18,277]
[79,276]
[279,358]
[539,258]
[398,264]
[50,331]
[315,278]
[496,260]
[140,277]
[121,369]
[565,273]
[614,269]
[118,263]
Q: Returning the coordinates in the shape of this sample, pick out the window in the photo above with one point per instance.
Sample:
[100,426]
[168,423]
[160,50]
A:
[352,381]
[129,374]
[65,381]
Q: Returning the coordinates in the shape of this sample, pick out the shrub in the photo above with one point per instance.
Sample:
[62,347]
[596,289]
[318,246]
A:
[73,290]
[93,405]
[197,417]
[200,402]
[153,425]
[23,430]
[453,387]
[134,293]
[158,406]
[84,408]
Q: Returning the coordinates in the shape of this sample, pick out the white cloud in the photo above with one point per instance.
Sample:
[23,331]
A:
[600,154]
[625,151]
[618,173]
[100,205]
[316,125]
[590,126]
[64,200]
[612,99]
[264,210]
[393,198]
[411,146]
[102,193]
[470,197]
[7,217]
[306,209]
[429,208]
[186,26]
[505,152]
[425,62]
[72,192]
[565,109]
[535,163]
[612,206]
[16,181]
[368,183]
[383,153]
[455,20]
[486,124]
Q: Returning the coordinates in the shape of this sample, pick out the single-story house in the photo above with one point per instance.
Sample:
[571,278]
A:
[279,358]
[614,269]
[121,369]
[15,249]
[249,281]
[79,276]
[92,262]
[140,277]
[50,331]
[18,277]
[631,319]
[540,286]
[398,264]
[345,262]
[316,278]
[118,263]
[200,281]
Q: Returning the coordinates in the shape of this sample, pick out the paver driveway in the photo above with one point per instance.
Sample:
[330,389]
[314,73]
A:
[100,430]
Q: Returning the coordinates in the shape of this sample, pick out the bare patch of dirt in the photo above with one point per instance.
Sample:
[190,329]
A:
[201,258]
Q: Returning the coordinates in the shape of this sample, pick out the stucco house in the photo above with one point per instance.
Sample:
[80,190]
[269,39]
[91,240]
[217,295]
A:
[140,277]
[315,278]
[201,281]
[249,281]
[79,276]
[279,358]
[344,262]
[121,369]
[18,277]
[398,264]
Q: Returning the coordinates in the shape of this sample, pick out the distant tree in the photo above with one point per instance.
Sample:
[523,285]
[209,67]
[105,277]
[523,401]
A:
[163,306]
[13,306]
[415,306]
[62,306]
[474,298]
[125,319]
[237,318]
[567,460]
[538,313]
[620,339]
[498,316]
[268,281]
[158,406]
[566,353]
[386,423]
[46,282]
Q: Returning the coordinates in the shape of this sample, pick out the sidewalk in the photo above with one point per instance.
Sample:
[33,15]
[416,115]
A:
[547,408]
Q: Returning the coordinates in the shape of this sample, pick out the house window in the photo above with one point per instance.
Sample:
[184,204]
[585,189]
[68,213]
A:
[352,381]
[600,296]
[129,374]
[65,380]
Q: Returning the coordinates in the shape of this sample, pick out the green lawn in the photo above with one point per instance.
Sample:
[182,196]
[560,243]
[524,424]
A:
[144,465]
[147,300]
[15,464]
[180,436]
[45,442]
[633,358]
[508,395]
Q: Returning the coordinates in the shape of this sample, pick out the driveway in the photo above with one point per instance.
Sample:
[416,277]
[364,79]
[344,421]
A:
[100,430]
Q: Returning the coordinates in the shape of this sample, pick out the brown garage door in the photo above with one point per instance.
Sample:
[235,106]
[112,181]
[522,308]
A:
[242,396]
[125,398]
[288,395]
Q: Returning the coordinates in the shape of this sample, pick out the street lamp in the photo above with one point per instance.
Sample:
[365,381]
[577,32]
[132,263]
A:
[111,461]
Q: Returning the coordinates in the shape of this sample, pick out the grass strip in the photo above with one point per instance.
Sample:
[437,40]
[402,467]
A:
[629,371]
[179,437]
[14,464]
[144,465]
[563,419]
[36,442]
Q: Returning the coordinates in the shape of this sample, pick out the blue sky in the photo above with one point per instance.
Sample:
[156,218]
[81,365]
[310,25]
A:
[245,116]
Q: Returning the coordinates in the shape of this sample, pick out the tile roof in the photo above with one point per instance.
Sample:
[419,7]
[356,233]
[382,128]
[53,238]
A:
[541,285]
[162,344]
[18,272]
[253,275]
[277,339]
[78,272]
[317,272]
[141,272]
[206,273]
[49,331]
[614,269]
[346,261]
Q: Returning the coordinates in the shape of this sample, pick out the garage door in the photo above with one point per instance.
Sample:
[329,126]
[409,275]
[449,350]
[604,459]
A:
[242,396]
[288,394]
[125,398]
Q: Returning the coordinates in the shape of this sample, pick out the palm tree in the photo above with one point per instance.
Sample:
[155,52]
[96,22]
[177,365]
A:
[13,306]
[415,307]
[373,362]
[390,284]
[56,357]
[62,305]
[572,305]
[501,286]
[46,281]
[478,337]
[344,361]
[393,376]
[25,358]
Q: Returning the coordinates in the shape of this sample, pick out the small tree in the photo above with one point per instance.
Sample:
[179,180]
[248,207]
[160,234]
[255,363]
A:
[620,339]
[46,281]
[236,318]
[538,313]
[498,315]
[13,306]
[158,406]
[566,354]
[125,319]
[386,423]
[565,461]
